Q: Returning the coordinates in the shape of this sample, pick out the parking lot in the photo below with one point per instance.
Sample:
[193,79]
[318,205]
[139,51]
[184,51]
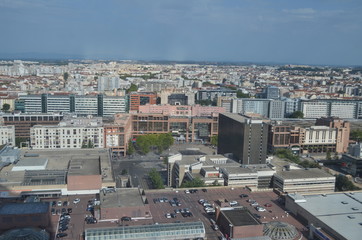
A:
[268,200]
[78,213]
[186,202]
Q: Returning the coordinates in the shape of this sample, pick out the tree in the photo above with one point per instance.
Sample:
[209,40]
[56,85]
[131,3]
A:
[297,114]
[196,182]
[214,140]
[344,184]
[6,107]
[132,88]
[356,135]
[216,183]
[156,179]
[130,149]
[240,94]
[124,172]
[65,76]
[328,155]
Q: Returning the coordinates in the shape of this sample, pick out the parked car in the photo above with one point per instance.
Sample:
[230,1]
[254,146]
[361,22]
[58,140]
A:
[124,219]
[59,203]
[260,209]
[77,200]
[60,235]
[167,215]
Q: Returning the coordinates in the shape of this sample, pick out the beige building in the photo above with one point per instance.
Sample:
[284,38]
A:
[7,135]
[304,181]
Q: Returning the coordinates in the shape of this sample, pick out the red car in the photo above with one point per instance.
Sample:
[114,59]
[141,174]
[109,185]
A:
[267,205]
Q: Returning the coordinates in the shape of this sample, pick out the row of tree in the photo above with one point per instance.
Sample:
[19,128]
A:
[288,155]
[145,143]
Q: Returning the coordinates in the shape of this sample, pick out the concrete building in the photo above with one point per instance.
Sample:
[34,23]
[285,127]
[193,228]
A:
[83,105]
[7,135]
[304,181]
[329,216]
[271,92]
[276,109]
[67,172]
[108,83]
[245,138]
[238,223]
[24,122]
[121,203]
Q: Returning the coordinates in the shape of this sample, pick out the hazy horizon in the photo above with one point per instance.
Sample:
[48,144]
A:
[279,32]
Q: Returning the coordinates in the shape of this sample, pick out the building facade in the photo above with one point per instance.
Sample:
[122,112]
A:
[245,138]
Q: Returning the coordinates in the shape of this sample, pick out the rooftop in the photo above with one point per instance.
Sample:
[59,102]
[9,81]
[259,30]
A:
[121,198]
[240,217]
[304,173]
[24,208]
[340,211]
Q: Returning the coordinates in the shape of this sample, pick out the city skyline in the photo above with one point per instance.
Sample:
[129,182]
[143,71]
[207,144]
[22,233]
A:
[308,32]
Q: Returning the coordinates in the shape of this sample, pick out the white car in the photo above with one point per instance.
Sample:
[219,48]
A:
[77,200]
[187,191]
[254,204]
[233,203]
[260,209]
[59,203]
[168,215]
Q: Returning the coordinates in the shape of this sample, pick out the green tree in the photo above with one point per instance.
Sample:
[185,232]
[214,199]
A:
[6,107]
[196,182]
[297,114]
[344,184]
[216,183]
[214,140]
[240,94]
[130,149]
[124,172]
[356,135]
[132,88]
[328,155]
[156,179]
[65,76]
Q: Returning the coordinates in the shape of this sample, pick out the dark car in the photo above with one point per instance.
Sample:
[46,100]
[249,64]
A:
[64,210]
[60,235]
[173,215]
[123,219]
[204,190]
[65,203]
[54,203]
[53,211]
[90,220]
[244,195]
[70,210]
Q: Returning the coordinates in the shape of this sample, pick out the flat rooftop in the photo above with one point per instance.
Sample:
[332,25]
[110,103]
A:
[304,173]
[60,160]
[31,162]
[340,211]
[121,198]
[84,165]
[240,217]
[24,208]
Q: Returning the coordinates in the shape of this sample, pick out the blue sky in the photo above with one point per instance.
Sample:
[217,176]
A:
[282,31]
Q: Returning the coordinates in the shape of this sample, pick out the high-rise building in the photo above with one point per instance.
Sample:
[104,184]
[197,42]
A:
[271,92]
[245,138]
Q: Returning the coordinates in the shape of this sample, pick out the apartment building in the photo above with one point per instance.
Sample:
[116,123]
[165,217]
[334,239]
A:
[7,135]
[23,122]
[71,133]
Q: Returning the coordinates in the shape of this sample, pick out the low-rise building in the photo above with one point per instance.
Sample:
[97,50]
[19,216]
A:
[304,181]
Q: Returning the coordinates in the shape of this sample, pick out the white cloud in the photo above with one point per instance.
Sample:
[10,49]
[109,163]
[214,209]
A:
[301,11]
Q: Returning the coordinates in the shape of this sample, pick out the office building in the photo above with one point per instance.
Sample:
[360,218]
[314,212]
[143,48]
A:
[137,99]
[271,92]
[82,105]
[245,138]
[304,181]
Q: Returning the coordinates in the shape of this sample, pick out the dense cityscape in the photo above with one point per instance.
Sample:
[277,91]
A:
[142,150]
[180,120]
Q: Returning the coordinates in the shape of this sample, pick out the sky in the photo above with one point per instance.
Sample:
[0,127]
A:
[318,32]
